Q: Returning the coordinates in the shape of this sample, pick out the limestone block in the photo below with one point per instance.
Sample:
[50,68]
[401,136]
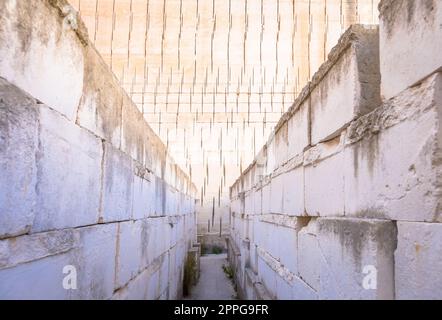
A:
[266,199]
[117,185]
[142,198]
[37,280]
[295,290]
[309,256]
[164,276]
[294,192]
[160,197]
[267,276]
[135,289]
[324,187]
[298,130]
[347,85]
[138,139]
[18,169]
[100,108]
[47,64]
[257,201]
[280,229]
[277,194]
[410,40]
[392,168]
[281,145]
[69,179]
[128,252]
[302,291]
[95,262]
[287,253]
[418,261]
[248,202]
[28,248]
[351,249]
[272,163]
[153,286]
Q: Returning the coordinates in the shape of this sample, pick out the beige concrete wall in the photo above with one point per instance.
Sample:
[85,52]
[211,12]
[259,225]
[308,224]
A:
[213,77]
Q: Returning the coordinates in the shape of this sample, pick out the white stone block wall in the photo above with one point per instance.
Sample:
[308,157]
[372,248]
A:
[410,40]
[84,181]
[351,191]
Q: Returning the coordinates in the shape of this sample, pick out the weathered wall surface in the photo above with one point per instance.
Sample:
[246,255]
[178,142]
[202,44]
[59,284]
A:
[84,181]
[350,184]
[213,77]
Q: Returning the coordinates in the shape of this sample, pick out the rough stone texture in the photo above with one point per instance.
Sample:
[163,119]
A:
[129,254]
[347,85]
[95,262]
[102,100]
[394,161]
[15,251]
[367,167]
[38,280]
[117,185]
[418,261]
[66,197]
[309,256]
[324,187]
[18,169]
[242,79]
[347,246]
[298,130]
[410,38]
[36,47]
[90,188]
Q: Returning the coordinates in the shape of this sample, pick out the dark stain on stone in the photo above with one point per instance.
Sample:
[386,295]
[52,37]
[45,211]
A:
[391,9]
[386,238]
[356,160]
[353,235]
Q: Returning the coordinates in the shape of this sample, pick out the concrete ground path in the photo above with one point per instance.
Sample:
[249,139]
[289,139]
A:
[213,283]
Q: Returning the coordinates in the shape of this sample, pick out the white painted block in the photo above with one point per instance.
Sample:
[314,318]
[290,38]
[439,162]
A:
[47,64]
[418,261]
[347,85]
[351,249]
[69,180]
[410,43]
[117,185]
[18,169]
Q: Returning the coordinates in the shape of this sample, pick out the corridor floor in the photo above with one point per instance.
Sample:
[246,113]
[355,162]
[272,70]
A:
[213,283]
